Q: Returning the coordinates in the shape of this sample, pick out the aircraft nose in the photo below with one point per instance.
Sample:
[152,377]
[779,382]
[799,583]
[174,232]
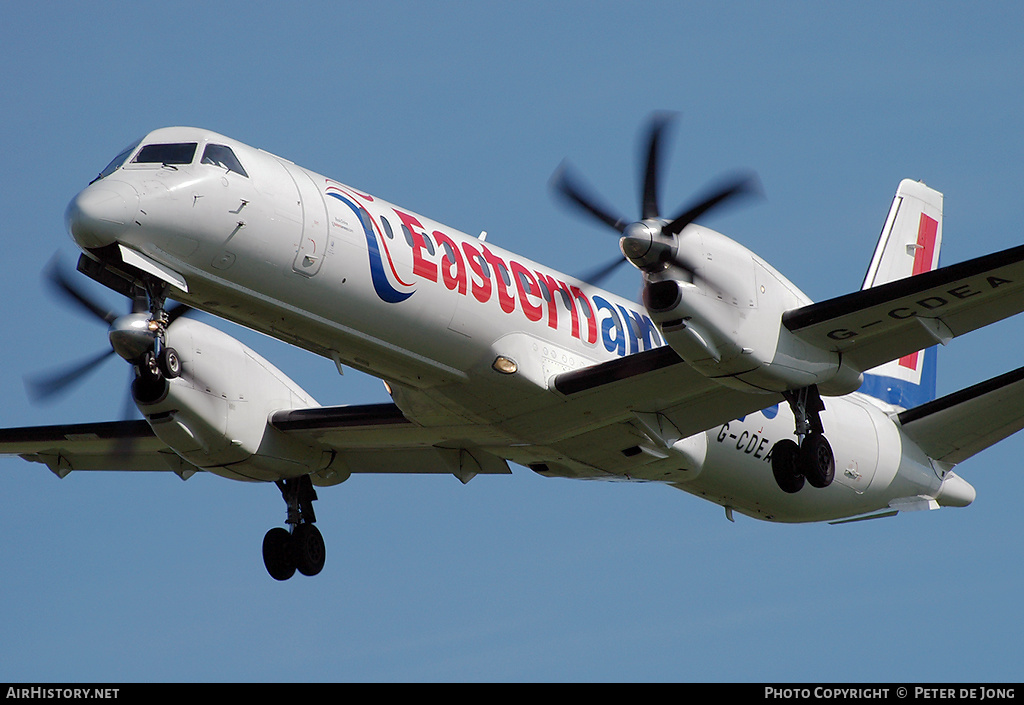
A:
[101,212]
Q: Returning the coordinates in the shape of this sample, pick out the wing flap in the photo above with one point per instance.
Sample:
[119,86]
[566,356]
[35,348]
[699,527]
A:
[964,423]
[621,418]
[576,381]
[378,438]
[886,322]
[653,381]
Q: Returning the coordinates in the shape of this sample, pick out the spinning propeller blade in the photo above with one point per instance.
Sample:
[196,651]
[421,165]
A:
[739,185]
[569,187]
[43,387]
[651,228]
[649,195]
[61,284]
[46,386]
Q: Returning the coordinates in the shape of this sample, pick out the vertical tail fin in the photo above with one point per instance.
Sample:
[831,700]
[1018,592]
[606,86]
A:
[909,245]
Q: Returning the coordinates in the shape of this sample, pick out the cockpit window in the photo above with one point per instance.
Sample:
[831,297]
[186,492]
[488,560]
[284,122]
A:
[179,153]
[219,155]
[117,161]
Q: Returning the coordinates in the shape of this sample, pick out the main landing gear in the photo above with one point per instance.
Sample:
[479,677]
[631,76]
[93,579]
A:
[302,548]
[811,459]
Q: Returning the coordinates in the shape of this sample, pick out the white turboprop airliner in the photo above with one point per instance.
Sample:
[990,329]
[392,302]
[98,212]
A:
[727,382]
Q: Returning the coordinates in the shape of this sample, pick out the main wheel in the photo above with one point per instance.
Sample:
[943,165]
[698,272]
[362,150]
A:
[816,461]
[308,549]
[277,554]
[786,466]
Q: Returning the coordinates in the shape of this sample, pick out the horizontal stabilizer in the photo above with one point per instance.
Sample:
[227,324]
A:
[959,425]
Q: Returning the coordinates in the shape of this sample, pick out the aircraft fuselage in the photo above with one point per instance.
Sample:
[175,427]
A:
[431,310]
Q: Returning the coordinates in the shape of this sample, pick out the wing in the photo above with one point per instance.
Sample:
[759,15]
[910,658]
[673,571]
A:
[378,438]
[615,419]
[884,323]
[110,445]
[657,382]
[373,438]
[622,418]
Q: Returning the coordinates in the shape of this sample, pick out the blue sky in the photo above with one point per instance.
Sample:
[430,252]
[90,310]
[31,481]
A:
[462,111]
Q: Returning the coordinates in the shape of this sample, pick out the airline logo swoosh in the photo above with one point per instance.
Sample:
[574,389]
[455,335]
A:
[378,274]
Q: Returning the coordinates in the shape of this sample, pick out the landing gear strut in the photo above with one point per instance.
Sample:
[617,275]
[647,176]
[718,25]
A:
[160,362]
[811,459]
[302,548]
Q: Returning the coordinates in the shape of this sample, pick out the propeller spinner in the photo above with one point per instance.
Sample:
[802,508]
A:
[131,335]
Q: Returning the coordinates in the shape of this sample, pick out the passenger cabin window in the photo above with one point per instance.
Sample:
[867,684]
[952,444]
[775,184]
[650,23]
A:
[181,153]
[219,155]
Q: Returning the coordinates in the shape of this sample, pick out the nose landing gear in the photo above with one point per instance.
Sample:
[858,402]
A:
[811,459]
[159,362]
[303,547]
[155,366]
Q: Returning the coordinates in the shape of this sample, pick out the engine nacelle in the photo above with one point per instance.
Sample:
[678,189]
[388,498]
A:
[216,414]
[727,322]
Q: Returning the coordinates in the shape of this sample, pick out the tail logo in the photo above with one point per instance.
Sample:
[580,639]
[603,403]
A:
[924,261]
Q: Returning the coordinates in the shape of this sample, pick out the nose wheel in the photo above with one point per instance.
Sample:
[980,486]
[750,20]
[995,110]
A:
[153,370]
[155,366]
[302,547]
[811,460]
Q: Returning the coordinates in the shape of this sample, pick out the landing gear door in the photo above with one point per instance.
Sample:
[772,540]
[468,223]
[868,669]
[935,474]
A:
[312,246]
